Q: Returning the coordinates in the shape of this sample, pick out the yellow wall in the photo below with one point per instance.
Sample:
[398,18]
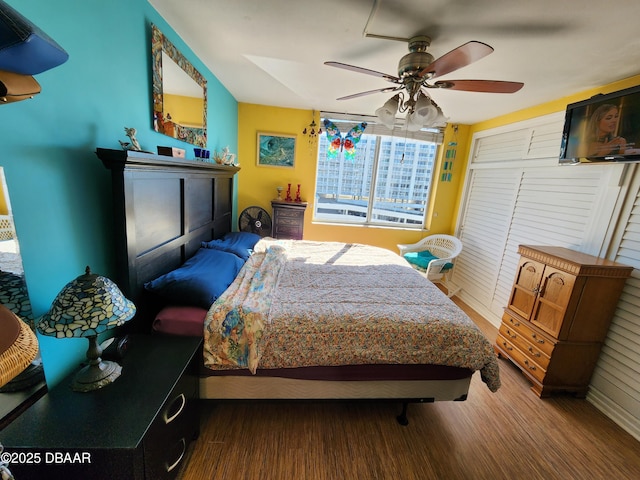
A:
[186,111]
[558,105]
[547,108]
[257,185]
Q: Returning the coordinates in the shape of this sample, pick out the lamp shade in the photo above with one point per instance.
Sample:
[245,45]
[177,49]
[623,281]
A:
[425,111]
[387,113]
[18,345]
[85,307]
[413,122]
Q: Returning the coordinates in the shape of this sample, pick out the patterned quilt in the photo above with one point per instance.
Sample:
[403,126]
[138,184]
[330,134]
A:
[303,303]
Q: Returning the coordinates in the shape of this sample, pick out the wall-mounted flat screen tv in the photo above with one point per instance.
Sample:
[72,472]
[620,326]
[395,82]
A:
[604,128]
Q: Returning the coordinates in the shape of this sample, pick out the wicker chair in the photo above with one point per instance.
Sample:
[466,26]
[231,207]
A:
[18,349]
[434,257]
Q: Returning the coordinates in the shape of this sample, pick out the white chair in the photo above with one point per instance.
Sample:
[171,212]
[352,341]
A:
[435,258]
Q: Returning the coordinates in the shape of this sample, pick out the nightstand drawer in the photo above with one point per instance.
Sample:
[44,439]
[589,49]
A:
[285,213]
[175,426]
[288,221]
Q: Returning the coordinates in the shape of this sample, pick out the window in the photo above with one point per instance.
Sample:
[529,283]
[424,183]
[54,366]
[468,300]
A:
[387,183]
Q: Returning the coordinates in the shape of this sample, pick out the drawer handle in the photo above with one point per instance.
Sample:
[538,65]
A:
[535,354]
[183,402]
[177,462]
[511,335]
[531,367]
[535,337]
[507,346]
[515,324]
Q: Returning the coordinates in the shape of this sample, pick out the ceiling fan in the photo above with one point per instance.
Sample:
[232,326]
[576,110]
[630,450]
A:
[417,69]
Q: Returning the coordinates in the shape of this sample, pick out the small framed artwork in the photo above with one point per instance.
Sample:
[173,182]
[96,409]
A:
[276,150]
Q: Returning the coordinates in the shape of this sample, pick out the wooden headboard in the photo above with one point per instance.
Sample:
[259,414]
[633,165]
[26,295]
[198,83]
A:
[164,207]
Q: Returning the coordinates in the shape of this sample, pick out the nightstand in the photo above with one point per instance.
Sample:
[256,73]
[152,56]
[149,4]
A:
[138,427]
[288,219]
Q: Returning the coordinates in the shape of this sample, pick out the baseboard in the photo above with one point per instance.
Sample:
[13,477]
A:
[613,411]
[483,311]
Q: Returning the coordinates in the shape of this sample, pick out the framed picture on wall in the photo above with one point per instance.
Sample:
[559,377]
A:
[276,150]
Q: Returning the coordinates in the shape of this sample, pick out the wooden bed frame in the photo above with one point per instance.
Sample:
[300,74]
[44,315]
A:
[163,209]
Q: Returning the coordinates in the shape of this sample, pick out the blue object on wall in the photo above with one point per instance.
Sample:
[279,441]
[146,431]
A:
[24,48]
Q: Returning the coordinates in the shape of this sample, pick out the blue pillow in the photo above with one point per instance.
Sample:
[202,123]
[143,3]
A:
[200,280]
[238,243]
[422,259]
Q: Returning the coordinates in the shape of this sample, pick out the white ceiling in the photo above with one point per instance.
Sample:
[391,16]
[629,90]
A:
[272,52]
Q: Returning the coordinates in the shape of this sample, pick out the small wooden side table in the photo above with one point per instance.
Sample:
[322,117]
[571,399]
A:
[288,219]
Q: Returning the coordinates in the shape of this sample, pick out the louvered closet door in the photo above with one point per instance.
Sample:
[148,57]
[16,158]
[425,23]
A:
[536,206]
[484,230]
[615,385]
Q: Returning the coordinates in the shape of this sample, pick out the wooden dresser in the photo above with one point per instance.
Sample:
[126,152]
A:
[558,315]
[288,219]
[138,427]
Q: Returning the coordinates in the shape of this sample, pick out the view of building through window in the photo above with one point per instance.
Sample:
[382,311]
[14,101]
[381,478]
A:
[401,170]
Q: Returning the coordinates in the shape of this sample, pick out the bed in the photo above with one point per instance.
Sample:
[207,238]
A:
[296,320]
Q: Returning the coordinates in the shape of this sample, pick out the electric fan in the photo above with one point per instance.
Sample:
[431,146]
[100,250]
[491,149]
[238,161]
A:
[255,220]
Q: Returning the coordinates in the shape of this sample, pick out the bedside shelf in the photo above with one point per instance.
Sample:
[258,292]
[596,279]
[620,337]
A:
[138,427]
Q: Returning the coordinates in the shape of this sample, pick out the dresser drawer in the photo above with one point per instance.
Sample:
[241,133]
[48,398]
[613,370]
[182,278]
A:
[175,426]
[517,338]
[526,363]
[541,341]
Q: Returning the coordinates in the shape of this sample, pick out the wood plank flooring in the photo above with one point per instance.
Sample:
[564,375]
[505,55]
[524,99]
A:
[511,434]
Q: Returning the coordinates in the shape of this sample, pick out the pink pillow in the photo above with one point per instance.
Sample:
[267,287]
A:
[186,321]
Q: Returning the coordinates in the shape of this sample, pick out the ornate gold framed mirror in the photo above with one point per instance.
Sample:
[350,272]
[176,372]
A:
[179,93]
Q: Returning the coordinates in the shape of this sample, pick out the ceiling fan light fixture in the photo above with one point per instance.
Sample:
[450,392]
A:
[425,111]
[387,113]
[440,120]
[413,122]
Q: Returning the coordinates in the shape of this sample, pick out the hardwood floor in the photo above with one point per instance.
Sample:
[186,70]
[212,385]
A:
[511,434]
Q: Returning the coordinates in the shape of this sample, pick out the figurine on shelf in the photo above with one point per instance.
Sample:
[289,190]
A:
[298,199]
[288,197]
[133,145]
[228,158]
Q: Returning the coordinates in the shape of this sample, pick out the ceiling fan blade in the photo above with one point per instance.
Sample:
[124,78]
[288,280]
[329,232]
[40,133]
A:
[489,86]
[386,76]
[369,92]
[456,58]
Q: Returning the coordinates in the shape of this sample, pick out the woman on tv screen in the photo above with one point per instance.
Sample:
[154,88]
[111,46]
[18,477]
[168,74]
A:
[602,138]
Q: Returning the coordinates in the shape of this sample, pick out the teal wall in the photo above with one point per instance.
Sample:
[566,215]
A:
[59,190]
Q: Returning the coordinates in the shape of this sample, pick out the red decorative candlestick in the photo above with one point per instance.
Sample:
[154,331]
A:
[298,199]
[288,198]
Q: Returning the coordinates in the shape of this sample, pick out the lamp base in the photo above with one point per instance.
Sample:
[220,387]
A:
[93,377]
